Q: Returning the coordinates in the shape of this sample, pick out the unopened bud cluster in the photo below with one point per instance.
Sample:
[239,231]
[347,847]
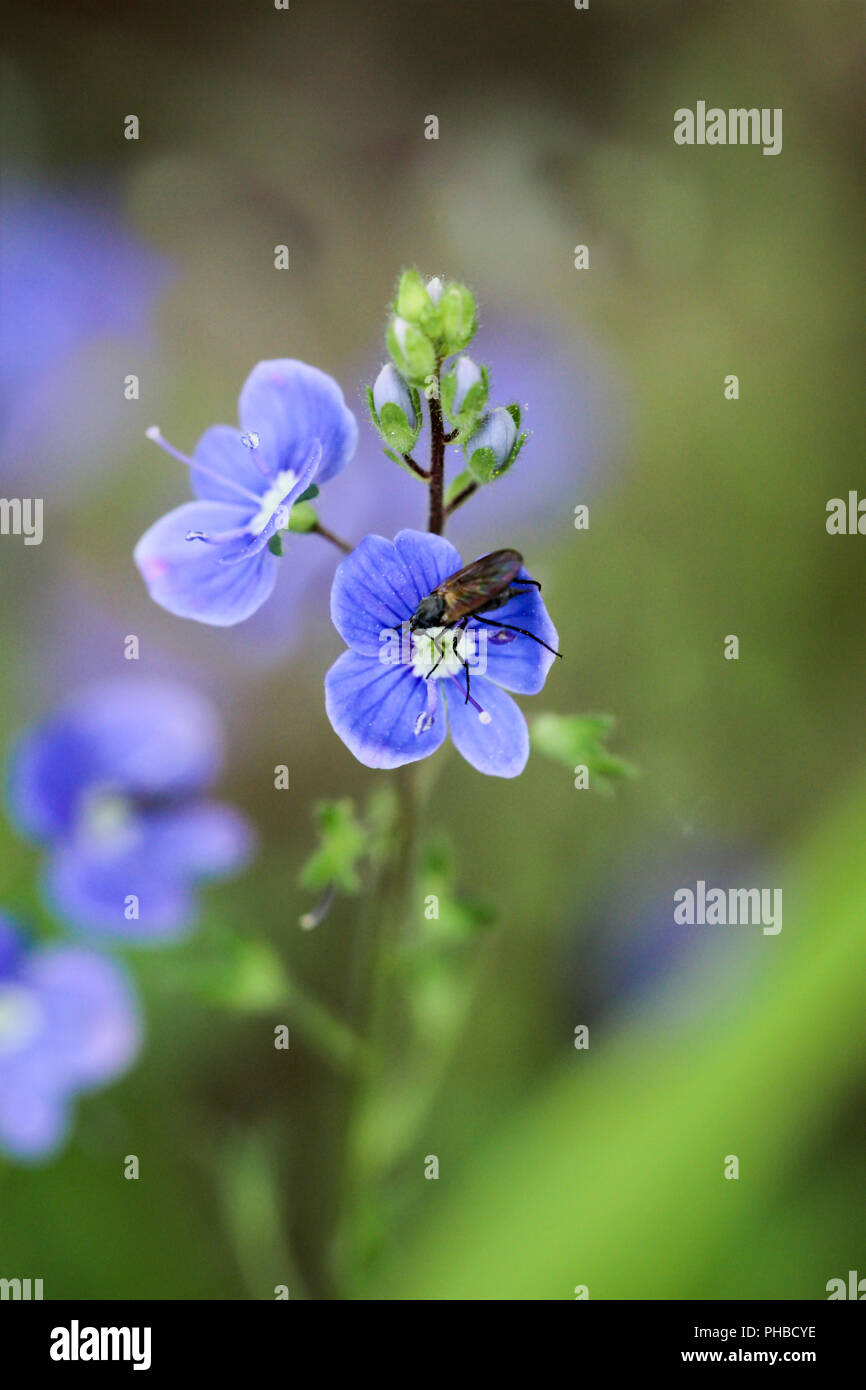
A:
[433,321]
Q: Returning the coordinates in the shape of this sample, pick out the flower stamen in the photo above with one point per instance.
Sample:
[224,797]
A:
[155,433]
[483,716]
[251,441]
[218,537]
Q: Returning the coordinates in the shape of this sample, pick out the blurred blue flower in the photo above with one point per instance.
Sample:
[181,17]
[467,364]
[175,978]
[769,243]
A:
[211,559]
[386,706]
[114,784]
[68,1023]
[74,281]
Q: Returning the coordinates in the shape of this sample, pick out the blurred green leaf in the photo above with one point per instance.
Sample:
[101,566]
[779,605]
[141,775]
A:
[577,740]
[611,1174]
[230,971]
[343,842]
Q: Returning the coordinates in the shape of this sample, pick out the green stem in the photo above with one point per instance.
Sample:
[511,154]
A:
[461,498]
[320,530]
[416,467]
[333,1039]
[389,906]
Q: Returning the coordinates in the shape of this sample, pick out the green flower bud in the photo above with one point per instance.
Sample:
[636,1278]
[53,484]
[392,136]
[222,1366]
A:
[389,388]
[413,301]
[413,353]
[464,394]
[456,316]
[494,446]
[394,409]
[303,518]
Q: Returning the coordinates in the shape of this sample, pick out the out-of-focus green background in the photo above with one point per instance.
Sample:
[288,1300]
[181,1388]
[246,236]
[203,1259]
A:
[557,1167]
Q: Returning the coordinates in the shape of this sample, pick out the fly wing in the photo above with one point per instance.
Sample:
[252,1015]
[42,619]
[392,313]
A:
[473,587]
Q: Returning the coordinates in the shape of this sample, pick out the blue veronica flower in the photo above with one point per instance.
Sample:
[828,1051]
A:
[68,1023]
[383,696]
[76,284]
[115,784]
[210,559]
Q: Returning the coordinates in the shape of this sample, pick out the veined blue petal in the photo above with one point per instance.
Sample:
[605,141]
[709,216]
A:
[220,451]
[380,712]
[518,663]
[289,405]
[379,586]
[499,748]
[189,578]
[273,514]
[428,560]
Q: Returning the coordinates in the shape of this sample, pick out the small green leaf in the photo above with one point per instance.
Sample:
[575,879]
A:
[275,544]
[310,495]
[514,412]
[342,844]
[395,428]
[577,740]
[380,817]
[458,915]
[482,465]
[458,485]
[239,973]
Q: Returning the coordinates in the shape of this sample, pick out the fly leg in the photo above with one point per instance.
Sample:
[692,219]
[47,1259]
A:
[522,630]
[440,657]
[462,627]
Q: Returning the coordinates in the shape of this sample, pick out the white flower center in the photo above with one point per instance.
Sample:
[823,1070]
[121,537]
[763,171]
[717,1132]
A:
[442,647]
[271,500]
[20,1018]
[107,819]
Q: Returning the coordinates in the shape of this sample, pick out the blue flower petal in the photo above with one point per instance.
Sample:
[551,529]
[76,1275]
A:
[90,888]
[208,840]
[220,451]
[189,578]
[376,708]
[428,559]
[273,515]
[289,405]
[33,1124]
[500,748]
[379,586]
[92,1030]
[48,770]
[156,856]
[139,735]
[80,1027]
[513,661]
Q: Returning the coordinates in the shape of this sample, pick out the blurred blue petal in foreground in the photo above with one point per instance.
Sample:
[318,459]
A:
[68,1023]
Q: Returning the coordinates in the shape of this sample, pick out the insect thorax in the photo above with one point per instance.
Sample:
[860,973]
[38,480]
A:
[430,612]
